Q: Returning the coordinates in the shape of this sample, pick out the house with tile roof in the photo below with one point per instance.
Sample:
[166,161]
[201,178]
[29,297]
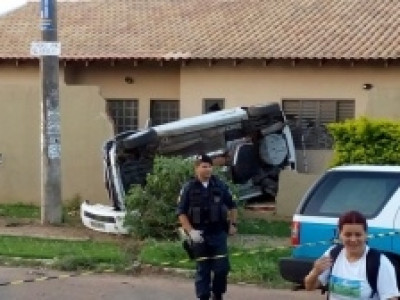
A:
[124,62]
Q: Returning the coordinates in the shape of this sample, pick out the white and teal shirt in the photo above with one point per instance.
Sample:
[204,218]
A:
[348,280]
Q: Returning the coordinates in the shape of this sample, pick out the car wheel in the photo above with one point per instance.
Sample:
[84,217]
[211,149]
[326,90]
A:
[273,150]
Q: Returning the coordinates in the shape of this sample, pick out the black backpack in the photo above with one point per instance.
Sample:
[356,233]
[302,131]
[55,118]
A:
[373,263]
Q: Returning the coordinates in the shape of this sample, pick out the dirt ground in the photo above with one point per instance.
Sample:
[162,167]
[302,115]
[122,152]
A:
[34,228]
[122,287]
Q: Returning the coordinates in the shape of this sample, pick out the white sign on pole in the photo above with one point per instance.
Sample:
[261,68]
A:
[45,48]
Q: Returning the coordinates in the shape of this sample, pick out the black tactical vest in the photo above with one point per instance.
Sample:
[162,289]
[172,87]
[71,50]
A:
[205,205]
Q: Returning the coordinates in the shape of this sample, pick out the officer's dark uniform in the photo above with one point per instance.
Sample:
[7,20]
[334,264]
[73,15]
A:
[206,209]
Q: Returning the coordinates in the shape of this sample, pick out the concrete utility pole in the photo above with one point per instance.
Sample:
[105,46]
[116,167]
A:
[51,208]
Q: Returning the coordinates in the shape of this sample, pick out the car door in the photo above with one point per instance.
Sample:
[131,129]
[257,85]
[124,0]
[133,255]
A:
[396,224]
[368,191]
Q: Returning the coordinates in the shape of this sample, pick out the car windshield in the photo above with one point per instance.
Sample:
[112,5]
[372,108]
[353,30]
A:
[341,191]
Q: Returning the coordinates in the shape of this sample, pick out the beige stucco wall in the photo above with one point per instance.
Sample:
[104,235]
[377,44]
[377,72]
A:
[251,84]
[23,73]
[248,83]
[19,143]
[149,82]
[85,125]
[313,161]
[384,102]
[293,185]
[84,128]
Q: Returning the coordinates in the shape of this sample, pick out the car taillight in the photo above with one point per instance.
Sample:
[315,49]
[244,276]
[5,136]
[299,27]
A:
[295,237]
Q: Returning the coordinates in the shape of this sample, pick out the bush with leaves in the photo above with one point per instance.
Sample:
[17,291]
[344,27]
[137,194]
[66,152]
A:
[151,209]
[365,141]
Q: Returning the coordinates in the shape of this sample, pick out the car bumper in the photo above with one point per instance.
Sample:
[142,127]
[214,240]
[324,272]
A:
[295,269]
[103,218]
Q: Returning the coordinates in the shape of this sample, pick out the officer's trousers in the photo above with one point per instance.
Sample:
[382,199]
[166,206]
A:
[211,274]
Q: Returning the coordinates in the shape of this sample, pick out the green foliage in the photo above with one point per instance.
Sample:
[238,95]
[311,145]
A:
[73,204]
[365,141]
[71,210]
[151,210]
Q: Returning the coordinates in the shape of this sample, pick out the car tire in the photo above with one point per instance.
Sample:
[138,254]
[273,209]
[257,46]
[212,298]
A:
[259,111]
[140,139]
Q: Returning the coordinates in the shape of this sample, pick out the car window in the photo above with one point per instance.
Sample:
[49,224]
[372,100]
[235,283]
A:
[340,191]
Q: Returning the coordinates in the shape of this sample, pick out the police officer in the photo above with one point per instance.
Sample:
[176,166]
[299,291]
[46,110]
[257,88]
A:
[208,214]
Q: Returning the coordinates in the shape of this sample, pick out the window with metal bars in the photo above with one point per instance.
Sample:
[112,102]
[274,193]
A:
[213,104]
[308,119]
[164,111]
[124,114]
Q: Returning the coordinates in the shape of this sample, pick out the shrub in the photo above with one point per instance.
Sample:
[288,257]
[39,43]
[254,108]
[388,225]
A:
[151,209]
[364,141]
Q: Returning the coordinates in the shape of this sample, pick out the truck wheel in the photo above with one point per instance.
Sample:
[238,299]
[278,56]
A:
[273,150]
[140,138]
[258,111]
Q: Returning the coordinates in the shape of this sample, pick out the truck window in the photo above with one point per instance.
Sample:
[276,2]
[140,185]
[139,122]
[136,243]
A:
[340,191]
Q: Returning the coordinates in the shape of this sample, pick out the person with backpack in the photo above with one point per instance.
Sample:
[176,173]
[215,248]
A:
[353,270]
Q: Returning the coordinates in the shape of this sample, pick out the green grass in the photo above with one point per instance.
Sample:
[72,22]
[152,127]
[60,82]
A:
[20,210]
[39,248]
[257,265]
[264,227]
[70,212]
[164,253]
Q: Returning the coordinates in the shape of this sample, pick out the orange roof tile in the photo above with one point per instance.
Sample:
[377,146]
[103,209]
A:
[183,29]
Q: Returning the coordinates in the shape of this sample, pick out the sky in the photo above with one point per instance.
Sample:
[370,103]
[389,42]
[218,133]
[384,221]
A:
[7,5]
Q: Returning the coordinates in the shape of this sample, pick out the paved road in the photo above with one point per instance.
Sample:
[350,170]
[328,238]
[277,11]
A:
[120,287]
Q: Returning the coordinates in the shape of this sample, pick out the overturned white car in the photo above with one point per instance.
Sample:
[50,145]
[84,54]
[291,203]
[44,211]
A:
[254,142]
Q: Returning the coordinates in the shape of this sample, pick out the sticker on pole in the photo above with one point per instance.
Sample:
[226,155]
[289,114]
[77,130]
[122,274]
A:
[45,48]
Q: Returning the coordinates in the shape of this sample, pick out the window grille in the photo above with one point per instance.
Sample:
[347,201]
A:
[308,119]
[124,114]
[164,111]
